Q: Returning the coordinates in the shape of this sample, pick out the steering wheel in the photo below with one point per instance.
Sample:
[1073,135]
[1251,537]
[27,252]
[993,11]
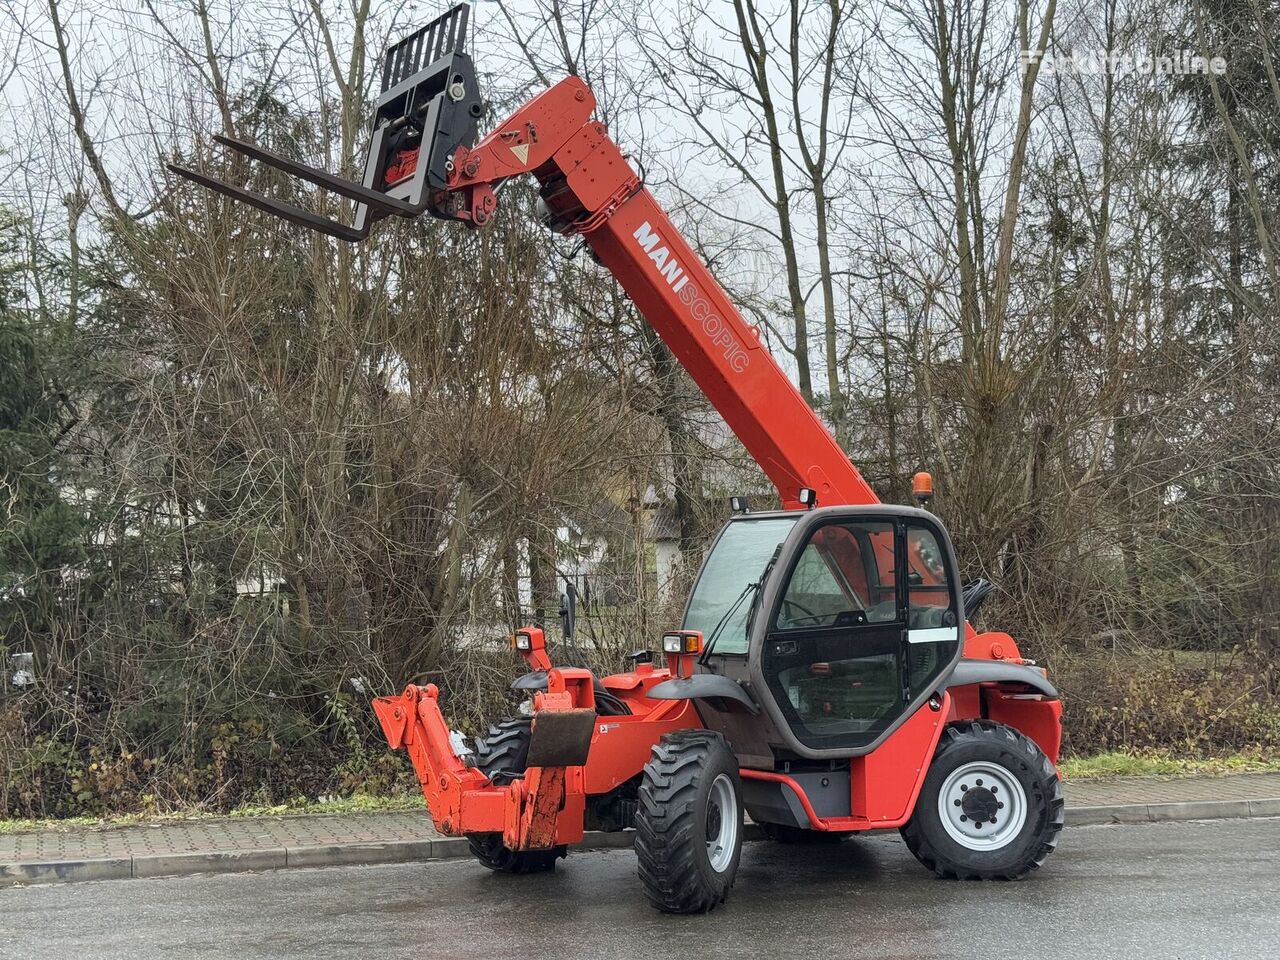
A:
[808,614]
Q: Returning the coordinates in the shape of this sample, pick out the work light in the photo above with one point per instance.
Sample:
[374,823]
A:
[684,641]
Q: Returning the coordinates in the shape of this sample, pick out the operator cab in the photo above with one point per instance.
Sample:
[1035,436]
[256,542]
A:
[841,622]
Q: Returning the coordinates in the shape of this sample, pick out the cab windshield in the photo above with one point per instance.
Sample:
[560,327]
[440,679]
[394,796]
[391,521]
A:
[722,598]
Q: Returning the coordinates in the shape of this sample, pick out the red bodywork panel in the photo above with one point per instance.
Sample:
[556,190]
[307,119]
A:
[1038,717]
[547,806]
[885,782]
[590,188]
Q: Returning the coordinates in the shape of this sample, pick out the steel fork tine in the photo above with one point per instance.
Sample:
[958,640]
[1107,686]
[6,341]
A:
[279,208]
[321,178]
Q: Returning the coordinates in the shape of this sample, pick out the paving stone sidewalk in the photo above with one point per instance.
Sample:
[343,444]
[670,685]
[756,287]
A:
[222,834]
[1149,790]
[258,843]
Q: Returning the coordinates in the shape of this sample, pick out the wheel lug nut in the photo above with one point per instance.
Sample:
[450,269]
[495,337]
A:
[956,802]
[979,783]
[993,820]
[963,818]
[964,787]
[999,806]
[993,788]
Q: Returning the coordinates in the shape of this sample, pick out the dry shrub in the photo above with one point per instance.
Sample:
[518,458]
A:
[1141,703]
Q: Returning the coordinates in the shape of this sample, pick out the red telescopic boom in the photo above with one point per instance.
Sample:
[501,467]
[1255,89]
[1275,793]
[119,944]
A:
[591,189]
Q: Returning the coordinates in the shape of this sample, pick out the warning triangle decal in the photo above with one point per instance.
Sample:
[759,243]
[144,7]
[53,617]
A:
[522,152]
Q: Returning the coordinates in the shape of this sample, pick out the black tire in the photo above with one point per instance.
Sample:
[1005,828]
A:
[678,816]
[1010,754]
[502,756]
[785,833]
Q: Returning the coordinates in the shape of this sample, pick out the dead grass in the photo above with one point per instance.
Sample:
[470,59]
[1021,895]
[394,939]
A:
[360,803]
[1118,764]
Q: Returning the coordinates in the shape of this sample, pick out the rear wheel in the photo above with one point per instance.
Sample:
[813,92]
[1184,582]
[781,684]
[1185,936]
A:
[502,757]
[991,807]
[689,825]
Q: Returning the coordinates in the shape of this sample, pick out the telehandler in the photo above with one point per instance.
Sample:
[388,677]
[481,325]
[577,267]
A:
[825,679]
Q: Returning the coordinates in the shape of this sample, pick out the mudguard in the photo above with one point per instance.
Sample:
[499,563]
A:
[997,671]
[532,682]
[561,738]
[704,686]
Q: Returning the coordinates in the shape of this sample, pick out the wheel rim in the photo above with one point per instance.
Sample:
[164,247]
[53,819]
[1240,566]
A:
[722,823]
[982,805]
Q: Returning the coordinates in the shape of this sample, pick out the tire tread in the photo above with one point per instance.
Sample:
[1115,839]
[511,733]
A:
[668,832]
[1043,772]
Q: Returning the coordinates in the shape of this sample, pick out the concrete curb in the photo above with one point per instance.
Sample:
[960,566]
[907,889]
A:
[1163,812]
[66,871]
[231,861]
[453,848]
[276,858]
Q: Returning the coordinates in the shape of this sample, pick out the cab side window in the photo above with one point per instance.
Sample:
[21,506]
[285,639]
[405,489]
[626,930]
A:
[933,627]
[835,582]
[929,595]
[814,598]
[833,655]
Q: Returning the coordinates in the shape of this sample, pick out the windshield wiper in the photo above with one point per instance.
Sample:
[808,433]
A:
[719,627]
[750,588]
[764,575]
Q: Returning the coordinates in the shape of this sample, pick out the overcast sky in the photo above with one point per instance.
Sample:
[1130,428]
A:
[147,100]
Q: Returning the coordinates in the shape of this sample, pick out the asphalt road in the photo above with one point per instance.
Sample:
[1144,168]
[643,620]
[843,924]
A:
[1177,890]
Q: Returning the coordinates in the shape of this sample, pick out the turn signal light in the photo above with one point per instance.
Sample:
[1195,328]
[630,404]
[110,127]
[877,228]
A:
[682,641]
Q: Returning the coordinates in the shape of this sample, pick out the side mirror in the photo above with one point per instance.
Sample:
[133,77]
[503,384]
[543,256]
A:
[569,611]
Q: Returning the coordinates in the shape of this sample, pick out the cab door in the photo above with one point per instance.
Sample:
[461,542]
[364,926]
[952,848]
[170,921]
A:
[862,627]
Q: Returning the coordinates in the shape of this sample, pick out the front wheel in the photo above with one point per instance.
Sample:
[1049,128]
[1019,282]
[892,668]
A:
[689,824]
[991,806]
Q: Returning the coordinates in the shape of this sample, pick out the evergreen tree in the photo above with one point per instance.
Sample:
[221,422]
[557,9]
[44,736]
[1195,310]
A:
[41,533]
